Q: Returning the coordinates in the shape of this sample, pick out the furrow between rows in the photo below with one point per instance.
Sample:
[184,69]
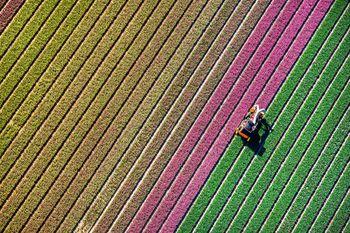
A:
[119,116]
[336,199]
[223,84]
[29,33]
[2,4]
[150,176]
[26,165]
[288,195]
[244,160]
[64,104]
[338,220]
[194,15]
[34,62]
[92,162]
[120,147]
[15,77]
[271,60]
[320,194]
[265,200]
[328,187]
[65,81]
[294,208]
[24,15]
[77,148]
[347,226]
[270,170]
[51,85]
[126,217]
[284,64]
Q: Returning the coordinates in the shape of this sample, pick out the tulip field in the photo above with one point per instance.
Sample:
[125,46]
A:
[120,115]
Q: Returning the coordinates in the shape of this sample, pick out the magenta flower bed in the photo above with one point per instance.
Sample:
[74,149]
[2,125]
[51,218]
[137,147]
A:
[212,106]
[293,53]
[248,100]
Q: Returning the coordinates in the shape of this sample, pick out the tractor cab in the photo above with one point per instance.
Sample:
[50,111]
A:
[249,126]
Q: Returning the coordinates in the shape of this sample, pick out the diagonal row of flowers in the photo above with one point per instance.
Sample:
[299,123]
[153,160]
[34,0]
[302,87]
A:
[264,61]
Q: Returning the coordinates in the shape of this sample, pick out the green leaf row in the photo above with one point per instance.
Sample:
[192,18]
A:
[122,129]
[23,16]
[37,57]
[338,222]
[40,114]
[24,158]
[53,83]
[71,157]
[256,180]
[114,171]
[308,141]
[340,192]
[230,156]
[172,130]
[312,210]
[25,37]
[286,198]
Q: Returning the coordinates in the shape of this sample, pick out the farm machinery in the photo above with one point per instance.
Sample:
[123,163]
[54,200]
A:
[249,128]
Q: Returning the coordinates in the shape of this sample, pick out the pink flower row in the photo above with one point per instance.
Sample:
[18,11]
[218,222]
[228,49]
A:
[227,106]
[264,99]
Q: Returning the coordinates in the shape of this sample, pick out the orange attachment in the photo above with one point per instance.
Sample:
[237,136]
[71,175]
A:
[244,135]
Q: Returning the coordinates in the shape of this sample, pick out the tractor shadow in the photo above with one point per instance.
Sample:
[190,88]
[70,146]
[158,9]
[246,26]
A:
[256,143]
